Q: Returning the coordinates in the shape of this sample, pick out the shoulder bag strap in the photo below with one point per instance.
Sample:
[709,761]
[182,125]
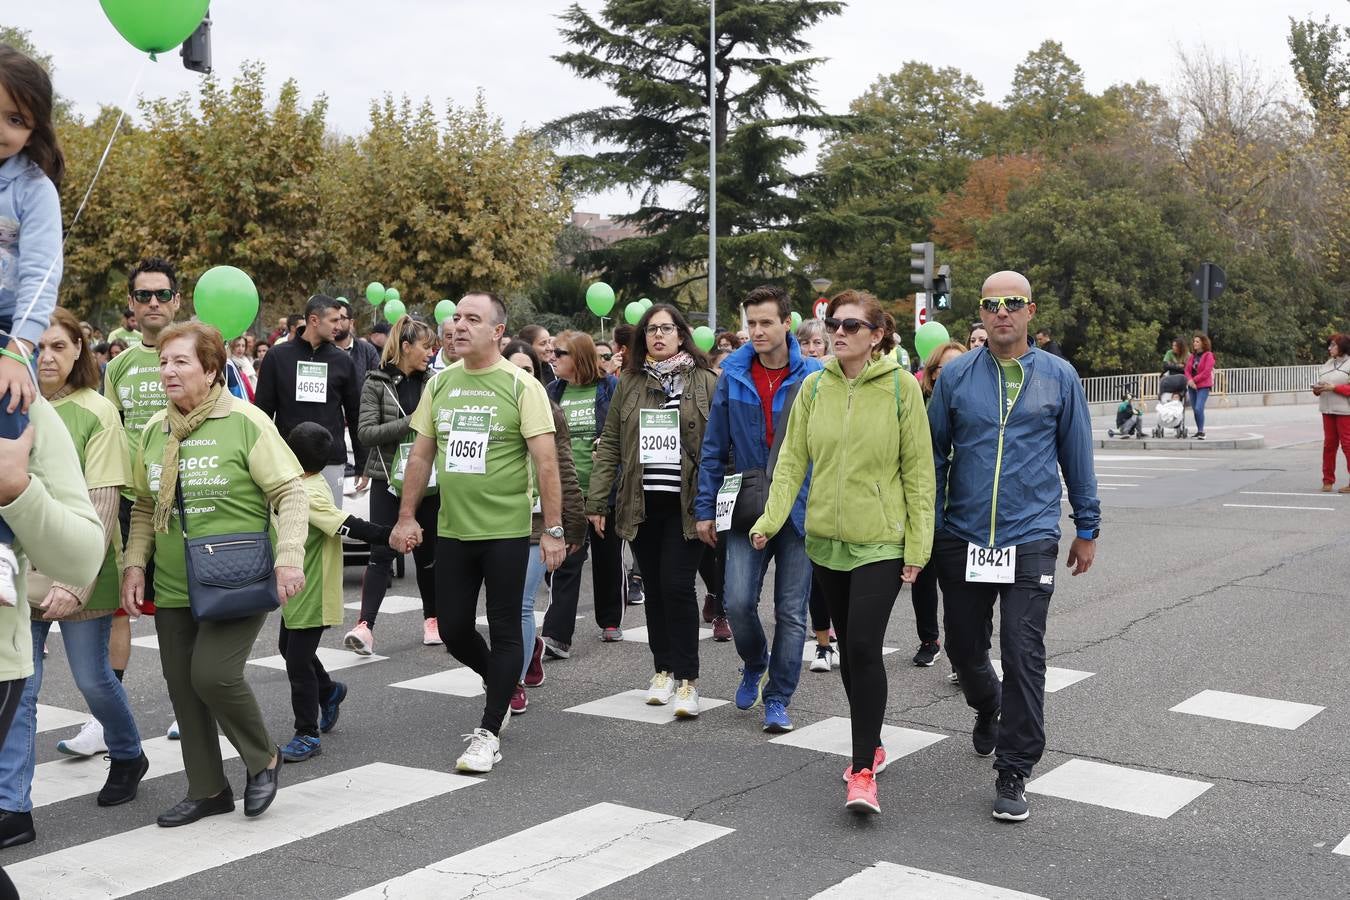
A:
[789,397]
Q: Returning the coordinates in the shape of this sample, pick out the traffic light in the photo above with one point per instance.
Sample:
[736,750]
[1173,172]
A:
[942,288]
[921,261]
[196,50]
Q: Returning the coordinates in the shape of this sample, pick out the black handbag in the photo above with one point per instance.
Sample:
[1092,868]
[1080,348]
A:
[229,576]
[754,493]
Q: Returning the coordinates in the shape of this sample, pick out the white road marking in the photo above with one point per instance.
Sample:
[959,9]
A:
[632,705]
[50,718]
[835,735]
[639,634]
[461,682]
[393,604]
[1056,679]
[887,881]
[1116,787]
[1248,709]
[1266,506]
[1284,494]
[567,857]
[331,657]
[70,777]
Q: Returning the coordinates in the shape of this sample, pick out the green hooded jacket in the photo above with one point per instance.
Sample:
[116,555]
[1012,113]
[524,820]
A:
[867,446]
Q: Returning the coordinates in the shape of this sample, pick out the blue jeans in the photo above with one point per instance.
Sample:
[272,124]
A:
[534,576]
[791,595]
[87,652]
[1198,396]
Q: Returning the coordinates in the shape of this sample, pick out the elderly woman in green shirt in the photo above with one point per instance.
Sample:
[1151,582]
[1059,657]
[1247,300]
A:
[232,467]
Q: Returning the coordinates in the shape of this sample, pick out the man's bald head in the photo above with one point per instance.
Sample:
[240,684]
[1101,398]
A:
[1006,284]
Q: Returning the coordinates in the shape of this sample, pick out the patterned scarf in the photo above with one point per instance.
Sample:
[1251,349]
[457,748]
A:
[670,372]
[180,426]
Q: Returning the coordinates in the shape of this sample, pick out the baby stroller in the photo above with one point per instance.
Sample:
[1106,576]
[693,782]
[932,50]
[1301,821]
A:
[1171,405]
[1129,418]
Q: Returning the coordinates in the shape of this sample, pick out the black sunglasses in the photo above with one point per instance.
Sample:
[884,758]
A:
[606,356]
[850,326]
[562,353]
[163,295]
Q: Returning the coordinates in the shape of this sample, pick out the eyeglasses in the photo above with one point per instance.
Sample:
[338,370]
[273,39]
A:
[666,329]
[163,295]
[606,356]
[562,352]
[850,326]
[1013,304]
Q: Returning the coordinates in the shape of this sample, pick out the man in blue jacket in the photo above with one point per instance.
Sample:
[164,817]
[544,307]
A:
[1006,420]
[749,410]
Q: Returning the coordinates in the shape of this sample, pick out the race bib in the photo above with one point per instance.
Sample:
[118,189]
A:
[311,382]
[466,443]
[726,501]
[153,474]
[401,467]
[659,436]
[991,565]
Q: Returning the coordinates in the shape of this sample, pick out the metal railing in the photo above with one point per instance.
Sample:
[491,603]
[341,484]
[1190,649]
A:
[1262,380]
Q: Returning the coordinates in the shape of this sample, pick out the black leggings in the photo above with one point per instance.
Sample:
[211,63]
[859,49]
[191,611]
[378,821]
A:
[924,595]
[712,568]
[820,610]
[310,682]
[462,568]
[669,566]
[380,570]
[606,553]
[860,605]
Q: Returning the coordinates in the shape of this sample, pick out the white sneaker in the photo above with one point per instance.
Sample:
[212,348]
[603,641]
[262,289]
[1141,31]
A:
[9,564]
[686,701]
[173,731]
[483,751]
[87,743]
[822,661]
[661,689]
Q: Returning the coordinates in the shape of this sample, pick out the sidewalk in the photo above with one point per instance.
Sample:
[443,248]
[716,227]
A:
[1233,428]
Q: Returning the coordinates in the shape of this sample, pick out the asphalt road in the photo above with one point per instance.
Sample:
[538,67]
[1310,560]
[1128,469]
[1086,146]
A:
[1215,572]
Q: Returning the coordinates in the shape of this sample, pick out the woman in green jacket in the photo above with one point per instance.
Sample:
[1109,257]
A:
[859,427]
[655,431]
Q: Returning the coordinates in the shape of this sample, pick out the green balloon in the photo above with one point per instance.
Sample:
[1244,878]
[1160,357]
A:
[704,338]
[394,310]
[391,294]
[796,320]
[633,312]
[155,25]
[226,298]
[928,338]
[375,293]
[444,310]
[646,304]
[600,298]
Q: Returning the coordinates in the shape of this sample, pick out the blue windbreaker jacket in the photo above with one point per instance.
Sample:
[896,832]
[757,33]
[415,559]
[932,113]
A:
[998,483]
[736,432]
[30,247]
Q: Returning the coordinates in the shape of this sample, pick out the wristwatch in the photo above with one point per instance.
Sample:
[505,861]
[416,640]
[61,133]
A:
[555,532]
[1089,536]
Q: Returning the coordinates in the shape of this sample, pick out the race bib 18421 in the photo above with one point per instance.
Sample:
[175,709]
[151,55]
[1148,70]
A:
[311,382]
[992,565]
[659,436]
[466,443]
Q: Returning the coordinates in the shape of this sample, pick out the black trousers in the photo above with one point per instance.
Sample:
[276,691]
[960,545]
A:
[380,569]
[1023,607]
[560,622]
[462,568]
[310,681]
[10,693]
[861,601]
[820,610]
[924,596]
[669,566]
[124,522]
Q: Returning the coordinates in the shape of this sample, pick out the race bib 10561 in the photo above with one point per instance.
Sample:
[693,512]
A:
[467,442]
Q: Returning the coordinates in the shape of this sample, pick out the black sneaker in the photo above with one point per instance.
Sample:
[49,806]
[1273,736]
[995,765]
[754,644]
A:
[634,590]
[929,653]
[985,735]
[124,776]
[1010,799]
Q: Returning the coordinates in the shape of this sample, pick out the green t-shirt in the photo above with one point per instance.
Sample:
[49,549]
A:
[578,406]
[126,335]
[132,383]
[1012,381]
[226,469]
[320,603]
[101,444]
[481,420]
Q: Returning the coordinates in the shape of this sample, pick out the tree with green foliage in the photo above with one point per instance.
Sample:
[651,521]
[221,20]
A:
[1321,60]
[1048,109]
[653,54]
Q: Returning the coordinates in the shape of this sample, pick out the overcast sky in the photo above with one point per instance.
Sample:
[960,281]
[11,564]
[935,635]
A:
[355,50]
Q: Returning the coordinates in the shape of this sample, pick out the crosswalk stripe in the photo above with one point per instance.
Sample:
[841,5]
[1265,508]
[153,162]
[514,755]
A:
[67,778]
[50,718]
[108,868]
[460,682]
[567,857]
[332,659]
[1118,787]
[887,881]
[392,605]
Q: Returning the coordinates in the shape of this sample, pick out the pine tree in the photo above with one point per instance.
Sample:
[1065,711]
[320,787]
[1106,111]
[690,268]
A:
[654,55]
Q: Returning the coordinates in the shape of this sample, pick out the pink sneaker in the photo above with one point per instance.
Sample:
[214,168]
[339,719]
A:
[431,634]
[359,640]
[534,674]
[879,764]
[519,702]
[862,793]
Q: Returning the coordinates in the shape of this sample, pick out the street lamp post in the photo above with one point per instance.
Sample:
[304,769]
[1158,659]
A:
[712,164]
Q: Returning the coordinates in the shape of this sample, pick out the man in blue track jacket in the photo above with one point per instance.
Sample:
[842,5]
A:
[749,410]
[1006,420]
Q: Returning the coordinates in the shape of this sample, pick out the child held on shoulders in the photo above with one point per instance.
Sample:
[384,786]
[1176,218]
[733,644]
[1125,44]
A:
[315,697]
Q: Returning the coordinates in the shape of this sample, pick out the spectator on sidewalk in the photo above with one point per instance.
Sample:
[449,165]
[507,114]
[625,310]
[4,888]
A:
[1333,400]
[1199,379]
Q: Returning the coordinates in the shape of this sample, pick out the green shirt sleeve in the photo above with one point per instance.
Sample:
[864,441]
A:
[323,515]
[536,413]
[107,457]
[424,417]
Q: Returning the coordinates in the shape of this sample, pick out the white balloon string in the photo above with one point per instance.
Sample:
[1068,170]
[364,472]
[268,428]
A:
[42,285]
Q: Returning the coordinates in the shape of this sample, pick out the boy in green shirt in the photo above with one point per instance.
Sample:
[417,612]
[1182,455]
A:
[315,697]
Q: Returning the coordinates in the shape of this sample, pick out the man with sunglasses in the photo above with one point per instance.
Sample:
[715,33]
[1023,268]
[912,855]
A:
[1006,420]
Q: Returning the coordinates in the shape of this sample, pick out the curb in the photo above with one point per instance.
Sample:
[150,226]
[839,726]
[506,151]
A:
[1245,442]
